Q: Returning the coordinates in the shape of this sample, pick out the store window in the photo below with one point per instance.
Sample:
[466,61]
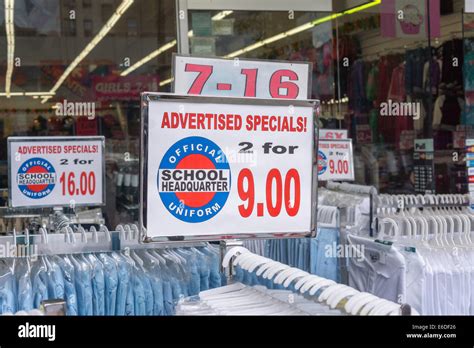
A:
[105,74]
[390,77]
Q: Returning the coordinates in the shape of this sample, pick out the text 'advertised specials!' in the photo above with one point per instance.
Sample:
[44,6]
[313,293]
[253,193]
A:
[226,168]
[56,171]
[335,160]
[241,78]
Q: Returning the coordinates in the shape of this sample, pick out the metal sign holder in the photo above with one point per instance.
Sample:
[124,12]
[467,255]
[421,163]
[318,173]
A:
[146,98]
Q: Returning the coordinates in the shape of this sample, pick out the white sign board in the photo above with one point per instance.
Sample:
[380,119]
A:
[469,6]
[56,171]
[241,78]
[335,160]
[233,167]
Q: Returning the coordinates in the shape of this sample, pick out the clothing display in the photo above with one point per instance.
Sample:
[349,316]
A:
[274,275]
[230,300]
[311,254]
[422,255]
[135,282]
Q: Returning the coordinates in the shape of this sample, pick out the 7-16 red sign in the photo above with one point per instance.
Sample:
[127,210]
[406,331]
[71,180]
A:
[241,78]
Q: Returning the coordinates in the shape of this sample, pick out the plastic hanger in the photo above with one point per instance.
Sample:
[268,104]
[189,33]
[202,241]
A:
[310,283]
[157,256]
[104,229]
[83,234]
[371,305]
[319,285]
[330,290]
[294,276]
[95,235]
[273,270]
[231,253]
[353,300]
[385,309]
[361,302]
[280,278]
[335,298]
[304,279]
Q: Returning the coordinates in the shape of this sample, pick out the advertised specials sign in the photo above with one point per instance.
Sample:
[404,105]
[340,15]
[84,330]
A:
[56,171]
[335,160]
[241,78]
[228,167]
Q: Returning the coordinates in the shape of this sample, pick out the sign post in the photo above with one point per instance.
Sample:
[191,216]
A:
[56,171]
[223,168]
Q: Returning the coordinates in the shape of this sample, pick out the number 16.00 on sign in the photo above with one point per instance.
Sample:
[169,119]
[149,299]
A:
[56,171]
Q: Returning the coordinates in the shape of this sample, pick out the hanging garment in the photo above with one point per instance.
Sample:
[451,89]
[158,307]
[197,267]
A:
[323,255]
[379,269]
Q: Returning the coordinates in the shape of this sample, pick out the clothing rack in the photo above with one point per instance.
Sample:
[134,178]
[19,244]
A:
[401,202]
[319,289]
[423,201]
[68,241]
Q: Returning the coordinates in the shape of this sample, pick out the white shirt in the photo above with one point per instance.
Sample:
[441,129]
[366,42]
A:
[380,270]
[415,278]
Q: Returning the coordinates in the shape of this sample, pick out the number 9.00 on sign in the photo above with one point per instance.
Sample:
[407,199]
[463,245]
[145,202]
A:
[228,168]
[335,160]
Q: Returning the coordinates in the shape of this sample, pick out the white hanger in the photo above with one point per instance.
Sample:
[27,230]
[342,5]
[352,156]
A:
[305,279]
[266,266]
[95,235]
[273,270]
[280,278]
[104,229]
[231,253]
[385,308]
[251,262]
[361,302]
[257,263]
[371,305]
[353,300]
[321,283]
[243,260]
[336,297]
[44,235]
[310,282]
[294,276]
[329,290]
[83,234]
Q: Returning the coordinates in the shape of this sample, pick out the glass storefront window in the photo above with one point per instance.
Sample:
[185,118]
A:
[368,65]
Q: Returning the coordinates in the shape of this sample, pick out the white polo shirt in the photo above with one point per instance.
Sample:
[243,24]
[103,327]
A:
[379,270]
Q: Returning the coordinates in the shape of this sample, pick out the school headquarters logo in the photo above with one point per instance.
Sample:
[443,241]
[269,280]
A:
[36,178]
[322,163]
[194,179]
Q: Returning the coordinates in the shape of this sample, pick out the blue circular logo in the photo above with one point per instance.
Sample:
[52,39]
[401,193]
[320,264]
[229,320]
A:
[36,178]
[194,179]
[322,162]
